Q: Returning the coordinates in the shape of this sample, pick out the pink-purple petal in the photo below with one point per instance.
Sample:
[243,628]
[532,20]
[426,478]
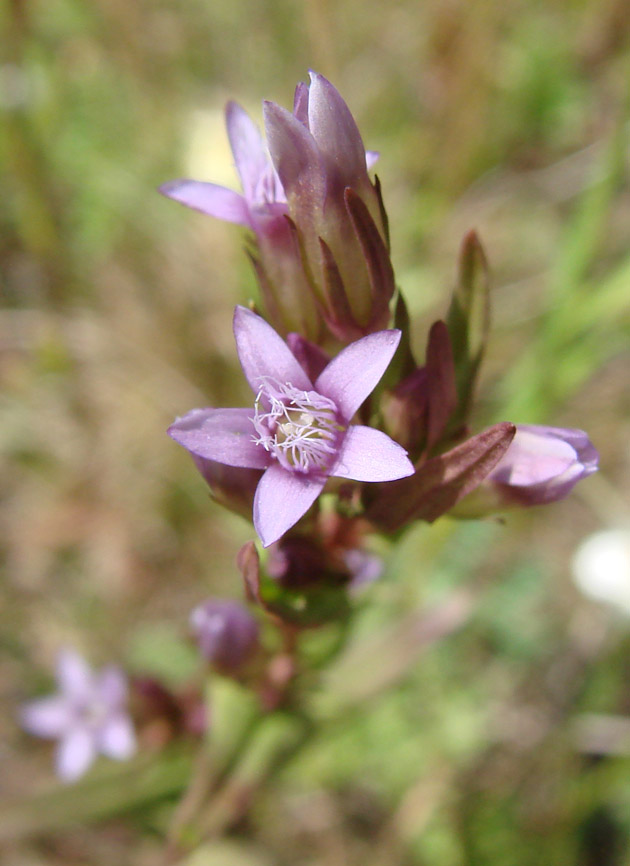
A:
[367,454]
[74,676]
[371,158]
[295,156]
[117,739]
[354,373]
[223,435]
[300,103]
[47,717]
[543,464]
[282,498]
[209,198]
[111,685]
[335,131]
[250,153]
[310,356]
[264,356]
[75,752]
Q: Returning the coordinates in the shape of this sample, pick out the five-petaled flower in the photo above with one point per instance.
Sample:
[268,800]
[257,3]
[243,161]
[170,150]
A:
[298,431]
[88,715]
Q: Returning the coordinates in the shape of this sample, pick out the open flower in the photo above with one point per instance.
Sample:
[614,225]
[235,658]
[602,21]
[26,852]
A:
[88,715]
[262,196]
[298,431]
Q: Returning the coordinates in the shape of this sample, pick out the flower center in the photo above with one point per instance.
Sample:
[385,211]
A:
[93,713]
[301,429]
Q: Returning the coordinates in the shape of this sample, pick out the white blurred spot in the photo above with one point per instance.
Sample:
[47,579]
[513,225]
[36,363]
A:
[601,567]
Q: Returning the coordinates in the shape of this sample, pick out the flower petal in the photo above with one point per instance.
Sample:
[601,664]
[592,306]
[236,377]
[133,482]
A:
[250,153]
[356,370]
[311,358]
[264,355]
[48,717]
[74,675]
[281,499]
[111,685]
[533,459]
[117,738]
[371,158]
[224,435]
[543,464]
[295,156]
[209,198]
[539,453]
[74,754]
[369,455]
[334,129]
[300,103]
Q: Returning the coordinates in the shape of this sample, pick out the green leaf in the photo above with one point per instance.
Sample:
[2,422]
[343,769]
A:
[468,320]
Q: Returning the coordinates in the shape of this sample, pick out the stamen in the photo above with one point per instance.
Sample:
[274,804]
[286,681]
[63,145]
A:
[300,428]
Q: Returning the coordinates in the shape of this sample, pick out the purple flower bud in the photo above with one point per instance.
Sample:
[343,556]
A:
[233,487]
[226,632]
[322,164]
[364,567]
[543,464]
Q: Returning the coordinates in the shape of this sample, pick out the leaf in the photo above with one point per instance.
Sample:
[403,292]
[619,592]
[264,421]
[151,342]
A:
[440,482]
[338,313]
[377,260]
[468,319]
[441,385]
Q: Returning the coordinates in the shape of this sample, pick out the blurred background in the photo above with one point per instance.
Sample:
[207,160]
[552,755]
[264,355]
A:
[507,742]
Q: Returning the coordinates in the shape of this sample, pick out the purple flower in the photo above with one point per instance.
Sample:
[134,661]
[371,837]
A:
[542,464]
[226,632]
[262,196]
[298,431]
[319,152]
[88,715]
[263,209]
[323,167]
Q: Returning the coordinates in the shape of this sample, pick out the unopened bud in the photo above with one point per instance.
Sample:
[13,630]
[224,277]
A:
[226,632]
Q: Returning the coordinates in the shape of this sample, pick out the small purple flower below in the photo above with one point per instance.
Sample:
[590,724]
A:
[226,632]
[87,715]
[543,464]
[298,431]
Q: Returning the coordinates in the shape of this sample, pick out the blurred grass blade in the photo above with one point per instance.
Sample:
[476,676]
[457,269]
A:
[109,790]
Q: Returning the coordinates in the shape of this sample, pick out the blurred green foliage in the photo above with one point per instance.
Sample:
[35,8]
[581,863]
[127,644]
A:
[509,118]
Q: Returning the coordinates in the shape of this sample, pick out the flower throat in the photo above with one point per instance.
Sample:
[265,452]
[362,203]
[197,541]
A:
[300,429]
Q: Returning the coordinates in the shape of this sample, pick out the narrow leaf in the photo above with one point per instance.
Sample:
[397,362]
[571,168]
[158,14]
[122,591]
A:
[442,389]
[378,262]
[337,311]
[468,319]
[442,481]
